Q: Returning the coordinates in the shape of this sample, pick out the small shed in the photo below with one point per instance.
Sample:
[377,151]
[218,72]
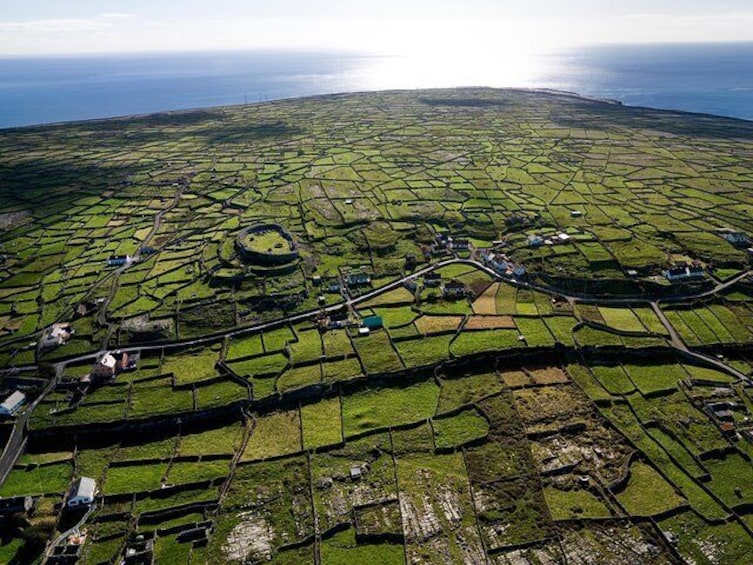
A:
[82,493]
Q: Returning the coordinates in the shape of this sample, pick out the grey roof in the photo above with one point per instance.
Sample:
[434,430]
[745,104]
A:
[13,400]
[84,487]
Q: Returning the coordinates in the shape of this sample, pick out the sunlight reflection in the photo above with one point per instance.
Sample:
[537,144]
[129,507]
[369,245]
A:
[468,69]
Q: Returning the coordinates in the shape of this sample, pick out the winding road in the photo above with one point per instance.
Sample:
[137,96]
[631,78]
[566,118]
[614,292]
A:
[17,439]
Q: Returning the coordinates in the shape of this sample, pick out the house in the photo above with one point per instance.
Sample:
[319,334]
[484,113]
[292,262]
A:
[683,271]
[12,404]
[316,280]
[575,213]
[57,335]
[454,289]
[696,271]
[497,263]
[519,272]
[563,238]
[104,369]
[372,322]
[432,279]
[15,505]
[363,332]
[410,261]
[358,279]
[356,473]
[535,241]
[737,239]
[334,288]
[118,260]
[82,493]
[110,364]
[461,245]
[411,285]
[147,250]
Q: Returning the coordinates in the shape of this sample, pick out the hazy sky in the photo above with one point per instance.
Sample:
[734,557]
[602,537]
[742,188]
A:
[380,26]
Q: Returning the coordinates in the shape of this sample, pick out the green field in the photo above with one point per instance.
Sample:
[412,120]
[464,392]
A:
[398,394]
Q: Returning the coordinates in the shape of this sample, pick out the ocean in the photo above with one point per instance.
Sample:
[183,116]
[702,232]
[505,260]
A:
[707,78]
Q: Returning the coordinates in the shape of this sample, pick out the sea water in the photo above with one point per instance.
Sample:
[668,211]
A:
[708,78]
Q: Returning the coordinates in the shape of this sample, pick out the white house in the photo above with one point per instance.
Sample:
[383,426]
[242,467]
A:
[12,404]
[82,493]
[59,334]
[104,368]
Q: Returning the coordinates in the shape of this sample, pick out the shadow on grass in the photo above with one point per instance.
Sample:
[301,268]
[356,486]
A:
[603,116]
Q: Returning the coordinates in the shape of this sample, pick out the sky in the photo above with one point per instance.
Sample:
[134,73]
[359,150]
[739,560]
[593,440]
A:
[399,27]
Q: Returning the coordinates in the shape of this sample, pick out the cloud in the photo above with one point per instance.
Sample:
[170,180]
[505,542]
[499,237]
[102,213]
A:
[99,23]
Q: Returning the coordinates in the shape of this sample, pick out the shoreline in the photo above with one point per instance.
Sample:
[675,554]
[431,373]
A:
[522,90]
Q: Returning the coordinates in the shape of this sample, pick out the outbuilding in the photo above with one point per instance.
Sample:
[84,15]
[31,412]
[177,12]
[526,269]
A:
[12,404]
[82,493]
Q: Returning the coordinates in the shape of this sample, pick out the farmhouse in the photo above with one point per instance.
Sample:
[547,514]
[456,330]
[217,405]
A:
[104,368]
[535,241]
[461,245]
[432,279]
[358,279]
[12,404]
[110,364]
[497,263]
[118,260]
[57,335]
[454,289]
[82,493]
[737,239]
[683,271]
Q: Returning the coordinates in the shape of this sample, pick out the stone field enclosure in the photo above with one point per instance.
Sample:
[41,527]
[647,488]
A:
[479,350]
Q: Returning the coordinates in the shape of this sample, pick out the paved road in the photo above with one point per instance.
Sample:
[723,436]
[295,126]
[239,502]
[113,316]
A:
[350,302]
[17,438]
[73,530]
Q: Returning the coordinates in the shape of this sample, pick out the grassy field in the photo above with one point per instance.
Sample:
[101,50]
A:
[383,407]
[460,431]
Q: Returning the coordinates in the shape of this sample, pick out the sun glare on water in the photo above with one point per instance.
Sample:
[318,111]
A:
[444,56]
[470,69]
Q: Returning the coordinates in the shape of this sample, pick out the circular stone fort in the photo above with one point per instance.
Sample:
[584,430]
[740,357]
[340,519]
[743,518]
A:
[267,245]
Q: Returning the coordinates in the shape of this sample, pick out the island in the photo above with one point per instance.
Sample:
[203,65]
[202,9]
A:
[434,326]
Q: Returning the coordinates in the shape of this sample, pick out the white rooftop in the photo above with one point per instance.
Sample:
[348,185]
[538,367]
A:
[13,400]
[84,487]
[108,361]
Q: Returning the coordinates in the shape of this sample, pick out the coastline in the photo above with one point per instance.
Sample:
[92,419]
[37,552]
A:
[523,90]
